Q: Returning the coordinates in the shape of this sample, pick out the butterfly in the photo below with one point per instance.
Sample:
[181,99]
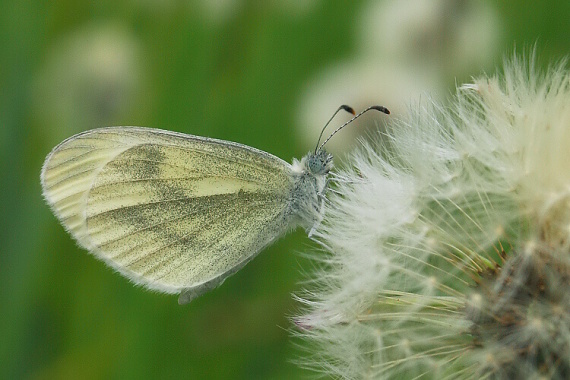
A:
[179,213]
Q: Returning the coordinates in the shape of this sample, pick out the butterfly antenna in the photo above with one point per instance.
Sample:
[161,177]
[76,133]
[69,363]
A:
[343,107]
[377,108]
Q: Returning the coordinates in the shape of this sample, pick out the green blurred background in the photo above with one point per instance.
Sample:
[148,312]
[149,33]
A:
[264,73]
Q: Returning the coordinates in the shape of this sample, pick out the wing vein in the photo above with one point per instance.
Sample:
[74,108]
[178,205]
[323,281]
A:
[72,158]
[159,202]
[209,246]
[178,239]
[161,222]
[167,179]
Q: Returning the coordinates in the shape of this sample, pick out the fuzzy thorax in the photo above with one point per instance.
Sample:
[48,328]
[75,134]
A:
[310,183]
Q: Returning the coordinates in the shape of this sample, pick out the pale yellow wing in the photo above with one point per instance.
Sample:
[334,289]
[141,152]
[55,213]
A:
[173,212]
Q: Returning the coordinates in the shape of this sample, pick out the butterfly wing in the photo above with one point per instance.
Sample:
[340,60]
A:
[172,212]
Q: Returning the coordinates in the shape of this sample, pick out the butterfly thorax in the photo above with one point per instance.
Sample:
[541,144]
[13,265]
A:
[307,198]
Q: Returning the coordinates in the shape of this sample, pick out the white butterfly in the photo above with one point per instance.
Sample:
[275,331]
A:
[179,213]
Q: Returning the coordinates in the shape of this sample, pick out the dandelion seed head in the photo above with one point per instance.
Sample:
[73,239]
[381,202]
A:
[448,240]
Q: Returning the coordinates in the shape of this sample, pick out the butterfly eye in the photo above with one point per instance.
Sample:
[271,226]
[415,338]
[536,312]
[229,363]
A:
[319,163]
[315,165]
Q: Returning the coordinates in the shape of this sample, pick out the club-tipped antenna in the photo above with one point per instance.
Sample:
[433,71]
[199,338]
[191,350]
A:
[342,107]
[377,108]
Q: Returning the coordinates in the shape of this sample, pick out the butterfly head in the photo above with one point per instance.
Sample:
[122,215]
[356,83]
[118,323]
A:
[319,163]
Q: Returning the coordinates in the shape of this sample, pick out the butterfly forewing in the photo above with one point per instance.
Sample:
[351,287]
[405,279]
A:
[167,210]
